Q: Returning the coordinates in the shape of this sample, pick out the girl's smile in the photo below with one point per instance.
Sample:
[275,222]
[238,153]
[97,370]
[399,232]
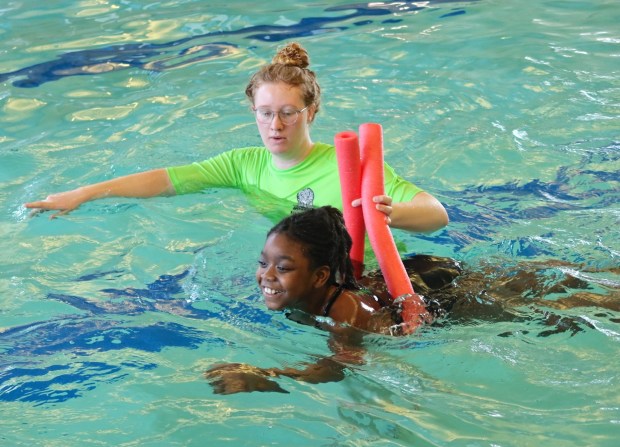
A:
[285,276]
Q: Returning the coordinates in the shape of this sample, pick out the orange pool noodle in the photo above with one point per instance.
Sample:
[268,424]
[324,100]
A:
[379,234]
[350,170]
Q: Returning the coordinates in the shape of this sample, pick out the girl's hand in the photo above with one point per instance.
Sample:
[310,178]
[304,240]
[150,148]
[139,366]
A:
[231,378]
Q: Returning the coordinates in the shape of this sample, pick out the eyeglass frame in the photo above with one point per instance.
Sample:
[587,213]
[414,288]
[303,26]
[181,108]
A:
[278,113]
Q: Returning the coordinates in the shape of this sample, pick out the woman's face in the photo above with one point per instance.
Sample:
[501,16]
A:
[286,277]
[287,142]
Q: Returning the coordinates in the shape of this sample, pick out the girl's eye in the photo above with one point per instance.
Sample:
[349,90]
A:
[262,263]
[283,269]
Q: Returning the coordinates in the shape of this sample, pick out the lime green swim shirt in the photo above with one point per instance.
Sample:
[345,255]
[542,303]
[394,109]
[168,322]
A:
[313,182]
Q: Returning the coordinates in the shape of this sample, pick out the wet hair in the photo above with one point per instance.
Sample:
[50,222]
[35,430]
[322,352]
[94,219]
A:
[325,241]
[289,65]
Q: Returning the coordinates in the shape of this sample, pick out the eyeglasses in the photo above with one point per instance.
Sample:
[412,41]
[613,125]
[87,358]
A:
[287,115]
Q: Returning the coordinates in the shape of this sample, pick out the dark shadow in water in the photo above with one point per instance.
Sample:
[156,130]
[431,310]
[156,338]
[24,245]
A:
[482,209]
[189,50]
[106,325]
[77,337]
[26,388]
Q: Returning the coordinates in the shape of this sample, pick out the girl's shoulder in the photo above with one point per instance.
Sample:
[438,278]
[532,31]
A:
[354,307]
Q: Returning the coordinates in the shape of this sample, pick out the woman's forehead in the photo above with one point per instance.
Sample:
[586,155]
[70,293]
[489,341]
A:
[279,94]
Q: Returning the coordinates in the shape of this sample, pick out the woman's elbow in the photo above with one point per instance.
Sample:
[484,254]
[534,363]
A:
[436,216]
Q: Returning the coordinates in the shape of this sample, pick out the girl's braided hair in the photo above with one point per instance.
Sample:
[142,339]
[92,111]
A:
[326,241]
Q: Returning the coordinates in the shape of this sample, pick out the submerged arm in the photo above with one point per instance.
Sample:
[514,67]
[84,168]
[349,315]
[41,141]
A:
[231,378]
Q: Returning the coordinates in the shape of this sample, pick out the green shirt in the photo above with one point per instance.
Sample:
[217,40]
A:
[313,182]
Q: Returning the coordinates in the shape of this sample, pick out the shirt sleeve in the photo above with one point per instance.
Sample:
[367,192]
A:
[397,187]
[218,171]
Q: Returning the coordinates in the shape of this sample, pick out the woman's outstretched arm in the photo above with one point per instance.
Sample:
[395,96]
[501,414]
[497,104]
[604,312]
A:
[142,185]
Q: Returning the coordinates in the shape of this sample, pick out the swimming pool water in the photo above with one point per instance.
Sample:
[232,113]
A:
[505,111]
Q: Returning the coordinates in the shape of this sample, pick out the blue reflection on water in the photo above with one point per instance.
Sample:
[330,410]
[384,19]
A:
[181,52]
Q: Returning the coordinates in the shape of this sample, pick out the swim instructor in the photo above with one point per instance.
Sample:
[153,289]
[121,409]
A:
[285,99]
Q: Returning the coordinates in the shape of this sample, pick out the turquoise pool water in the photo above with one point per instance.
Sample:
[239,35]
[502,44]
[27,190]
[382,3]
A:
[506,111]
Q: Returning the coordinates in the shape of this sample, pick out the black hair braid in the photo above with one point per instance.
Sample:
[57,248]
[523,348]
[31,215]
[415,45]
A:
[342,249]
[326,241]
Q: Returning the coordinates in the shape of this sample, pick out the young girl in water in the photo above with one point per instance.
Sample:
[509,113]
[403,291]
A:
[304,269]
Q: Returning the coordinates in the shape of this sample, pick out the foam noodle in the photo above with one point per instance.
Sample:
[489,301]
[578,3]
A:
[349,168]
[379,234]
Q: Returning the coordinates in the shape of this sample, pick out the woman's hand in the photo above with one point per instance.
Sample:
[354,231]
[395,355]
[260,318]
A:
[383,204]
[231,378]
[141,185]
[424,213]
[64,202]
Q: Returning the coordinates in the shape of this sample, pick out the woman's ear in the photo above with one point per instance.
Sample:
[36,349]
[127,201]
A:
[321,276]
[311,113]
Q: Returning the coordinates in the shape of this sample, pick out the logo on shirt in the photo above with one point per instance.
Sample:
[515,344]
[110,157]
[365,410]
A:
[305,200]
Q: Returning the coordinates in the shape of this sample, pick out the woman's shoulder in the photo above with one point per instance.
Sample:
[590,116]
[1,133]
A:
[323,155]
[320,146]
[321,150]
[252,156]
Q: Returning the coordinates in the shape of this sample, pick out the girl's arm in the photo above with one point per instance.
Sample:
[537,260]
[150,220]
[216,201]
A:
[231,378]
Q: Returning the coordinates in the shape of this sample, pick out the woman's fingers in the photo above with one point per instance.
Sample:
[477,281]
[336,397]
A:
[383,199]
[60,213]
[42,205]
[383,204]
[49,204]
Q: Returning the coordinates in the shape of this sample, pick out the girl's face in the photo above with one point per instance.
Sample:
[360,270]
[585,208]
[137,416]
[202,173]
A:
[286,278]
[289,143]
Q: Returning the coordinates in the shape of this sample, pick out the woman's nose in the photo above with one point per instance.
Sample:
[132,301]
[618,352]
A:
[276,122]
